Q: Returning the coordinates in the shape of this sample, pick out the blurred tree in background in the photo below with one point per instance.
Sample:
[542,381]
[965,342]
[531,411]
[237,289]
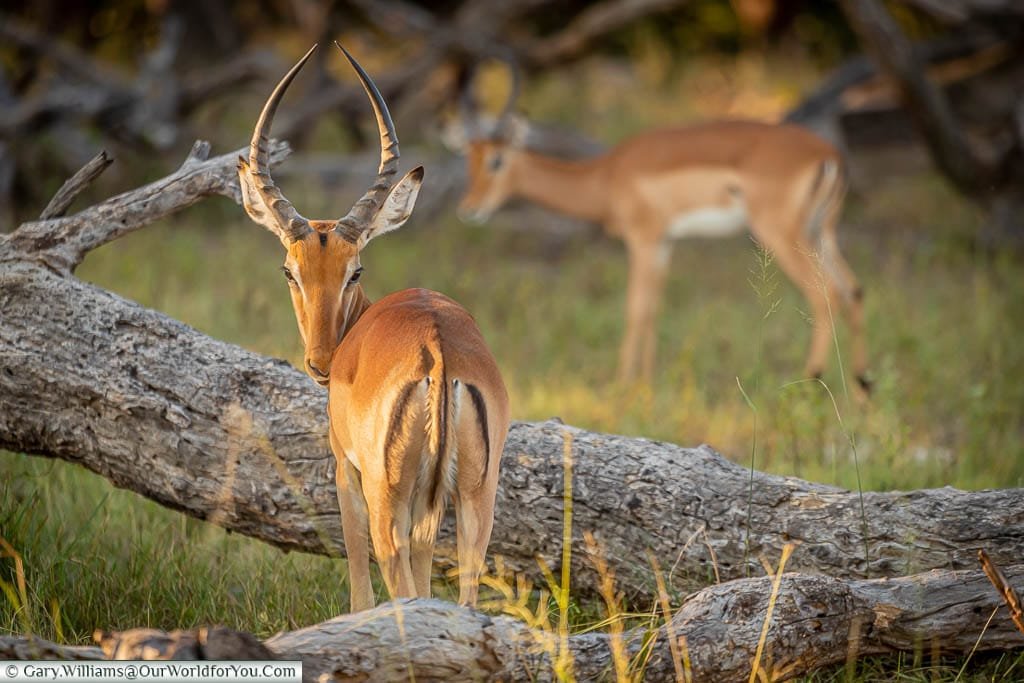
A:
[143,77]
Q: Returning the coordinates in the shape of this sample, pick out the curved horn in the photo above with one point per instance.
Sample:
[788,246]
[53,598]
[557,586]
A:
[292,225]
[357,218]
[513,95]
[469,111]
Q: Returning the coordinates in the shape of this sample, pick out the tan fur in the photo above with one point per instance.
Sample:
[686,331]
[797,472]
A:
[401,443]
[384,349]
[423,340]
[784,180]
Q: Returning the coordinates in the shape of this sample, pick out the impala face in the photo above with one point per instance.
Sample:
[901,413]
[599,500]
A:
[322,262]
[489,185]
[322,270]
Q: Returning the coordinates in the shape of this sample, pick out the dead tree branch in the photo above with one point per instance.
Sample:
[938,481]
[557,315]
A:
[928,106]
[238,439]
[74,186]
[62,243]
[592,23]
[817,621]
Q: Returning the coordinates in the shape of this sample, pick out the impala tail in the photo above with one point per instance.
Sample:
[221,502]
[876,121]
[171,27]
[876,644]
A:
[456,424]
[436,476]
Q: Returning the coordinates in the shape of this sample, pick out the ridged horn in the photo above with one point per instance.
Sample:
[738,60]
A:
[510,104]
[292,225]
[357,219]
[469,110]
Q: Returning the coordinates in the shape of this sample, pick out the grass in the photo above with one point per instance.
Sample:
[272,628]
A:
[943,326]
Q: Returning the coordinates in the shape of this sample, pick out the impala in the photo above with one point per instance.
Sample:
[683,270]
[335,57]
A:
[782,182]
[417,407]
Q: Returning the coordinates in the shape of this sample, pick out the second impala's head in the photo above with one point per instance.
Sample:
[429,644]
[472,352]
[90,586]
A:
[322,256]
[492,154]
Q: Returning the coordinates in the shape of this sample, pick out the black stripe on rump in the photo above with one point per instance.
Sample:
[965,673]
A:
[441,411]
[481,418]
[395,423]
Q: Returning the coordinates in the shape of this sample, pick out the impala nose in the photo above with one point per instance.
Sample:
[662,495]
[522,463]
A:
[316,373]
[471,216]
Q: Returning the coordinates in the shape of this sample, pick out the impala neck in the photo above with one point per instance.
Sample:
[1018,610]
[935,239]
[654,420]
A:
[360,302]
[575,188]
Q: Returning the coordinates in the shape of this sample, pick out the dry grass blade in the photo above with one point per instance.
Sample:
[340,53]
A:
[19,601]
[683,673]
[1004,588]
[787,550]
[613,602]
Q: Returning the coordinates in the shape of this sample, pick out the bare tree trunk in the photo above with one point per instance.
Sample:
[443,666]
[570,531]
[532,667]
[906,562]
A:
[238,439]
[990,171]
[815,622]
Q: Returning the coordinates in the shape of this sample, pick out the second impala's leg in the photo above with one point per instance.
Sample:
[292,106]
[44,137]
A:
[852,299]
[478,446]
[648,263]
[659,269]
[824,211]
[354,519]
[802,264]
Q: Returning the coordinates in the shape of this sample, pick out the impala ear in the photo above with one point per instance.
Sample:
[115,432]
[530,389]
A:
[397,207]
[253,202]
[454,134]
[516,129]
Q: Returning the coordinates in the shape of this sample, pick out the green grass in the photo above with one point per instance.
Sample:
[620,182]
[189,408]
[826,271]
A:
[943,327]
[98,557]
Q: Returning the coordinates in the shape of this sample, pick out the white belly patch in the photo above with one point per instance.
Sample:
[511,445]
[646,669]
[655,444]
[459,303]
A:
[710,221]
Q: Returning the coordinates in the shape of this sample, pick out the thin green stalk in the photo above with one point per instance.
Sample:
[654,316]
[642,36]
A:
[970,654]
[750,486]
[764,284]
[851,439]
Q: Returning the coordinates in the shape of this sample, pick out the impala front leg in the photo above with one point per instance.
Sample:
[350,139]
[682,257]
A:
[648,263]
[354,526]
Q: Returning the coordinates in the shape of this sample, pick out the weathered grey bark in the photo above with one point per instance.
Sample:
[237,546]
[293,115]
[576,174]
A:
[929,107]
[22,648]
[816,622]
[233,437]
[75,185]
[987,166]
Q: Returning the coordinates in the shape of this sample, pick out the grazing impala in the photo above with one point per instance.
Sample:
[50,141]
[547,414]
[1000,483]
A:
[418,410]
[782,182]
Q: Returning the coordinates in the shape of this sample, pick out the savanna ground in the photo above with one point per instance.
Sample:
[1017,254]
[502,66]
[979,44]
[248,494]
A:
[943,324]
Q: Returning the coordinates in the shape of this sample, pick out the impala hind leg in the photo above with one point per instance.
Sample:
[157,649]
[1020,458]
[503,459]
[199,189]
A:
[853,306]
[422,555]
[354,528]
[476,484]
[390,530]
[804,268]
[474,514]
[426,516]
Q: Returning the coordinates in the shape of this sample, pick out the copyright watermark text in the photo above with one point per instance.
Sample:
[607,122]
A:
[152,671]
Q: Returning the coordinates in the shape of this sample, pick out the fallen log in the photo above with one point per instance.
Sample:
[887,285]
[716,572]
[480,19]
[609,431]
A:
[238,439]
[816,621]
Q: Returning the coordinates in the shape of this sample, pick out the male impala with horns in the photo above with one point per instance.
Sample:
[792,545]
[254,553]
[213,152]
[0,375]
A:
[418,409]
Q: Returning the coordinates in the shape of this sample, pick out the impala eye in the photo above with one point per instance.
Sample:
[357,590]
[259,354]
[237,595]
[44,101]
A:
[496,162]
[288,275]
[355,276]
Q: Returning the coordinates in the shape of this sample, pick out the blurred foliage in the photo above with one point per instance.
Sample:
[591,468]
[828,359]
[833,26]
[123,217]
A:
[943,322]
